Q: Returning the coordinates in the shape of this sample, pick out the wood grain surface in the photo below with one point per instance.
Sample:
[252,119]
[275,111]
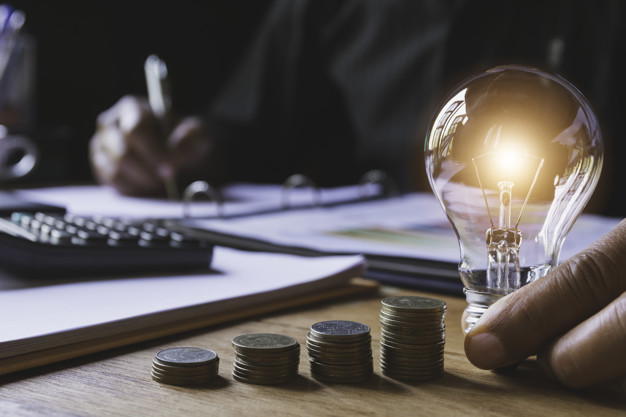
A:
[118,383]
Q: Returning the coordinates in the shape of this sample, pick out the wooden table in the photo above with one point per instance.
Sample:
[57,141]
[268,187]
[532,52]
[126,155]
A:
[118,382]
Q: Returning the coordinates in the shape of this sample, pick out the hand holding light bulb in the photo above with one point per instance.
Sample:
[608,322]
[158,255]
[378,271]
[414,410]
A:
[574,319]
[513,155]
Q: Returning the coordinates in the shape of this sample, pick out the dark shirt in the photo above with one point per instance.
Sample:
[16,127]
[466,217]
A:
[332,89]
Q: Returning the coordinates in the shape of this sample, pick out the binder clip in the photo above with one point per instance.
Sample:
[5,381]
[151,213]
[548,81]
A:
[376,182]
[299,181]
[201,188]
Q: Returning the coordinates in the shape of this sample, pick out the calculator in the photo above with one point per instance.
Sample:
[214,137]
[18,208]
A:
[63,244]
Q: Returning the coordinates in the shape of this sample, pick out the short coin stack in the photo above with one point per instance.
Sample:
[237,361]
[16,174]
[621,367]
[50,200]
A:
[412,337]
[265,358]
[340,351]
[185,366]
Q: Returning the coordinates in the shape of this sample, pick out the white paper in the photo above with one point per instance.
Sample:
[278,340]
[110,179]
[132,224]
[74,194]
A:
[238,199]
[412,225]
[45,310]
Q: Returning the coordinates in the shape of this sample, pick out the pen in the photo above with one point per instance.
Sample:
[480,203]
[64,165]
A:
[160,101]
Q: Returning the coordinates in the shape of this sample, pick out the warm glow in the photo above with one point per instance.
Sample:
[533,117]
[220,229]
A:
[509,162]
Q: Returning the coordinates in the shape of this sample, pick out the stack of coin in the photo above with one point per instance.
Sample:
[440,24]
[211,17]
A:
[340,351]
[185,366]
[412,337]
[265,358]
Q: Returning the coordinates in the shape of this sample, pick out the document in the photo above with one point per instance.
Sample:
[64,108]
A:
[46,321]
[405,236]
[237,200]
[406,239]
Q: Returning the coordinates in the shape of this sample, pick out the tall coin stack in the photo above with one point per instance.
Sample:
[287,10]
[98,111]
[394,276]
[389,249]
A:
[185,366]
[412,337]
[265,358]
[340,351]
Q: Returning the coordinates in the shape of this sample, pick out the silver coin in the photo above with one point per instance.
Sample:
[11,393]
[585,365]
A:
[414,315]
[403,321]
[413,340]
[266,369]
[417,361]
[339,329]
[323,344]
[269,356]
[412,377]
[342,367]
[412,370]
[411,357]
[258,343]
[186,356]
[413,303]
[340,361]
[265,341]
[287,361]
[320,370]
[272,380]
[180,381]
[192,377]
[339,357]
[340,340]
[409,332]
[341,379]
[186,371]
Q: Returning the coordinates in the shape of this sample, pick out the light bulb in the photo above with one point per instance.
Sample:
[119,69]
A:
[513,155]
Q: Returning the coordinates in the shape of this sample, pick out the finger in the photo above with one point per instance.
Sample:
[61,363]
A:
[190,147]
[518,325]
[142,132]
[105,150]
[191,139]
[592,352]
[195,155]
[116,165]
[133,177]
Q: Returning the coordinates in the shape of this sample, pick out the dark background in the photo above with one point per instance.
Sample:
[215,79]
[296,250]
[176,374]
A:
[91,53]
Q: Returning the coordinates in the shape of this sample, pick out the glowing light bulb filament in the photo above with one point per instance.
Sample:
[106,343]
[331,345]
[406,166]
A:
[505,203]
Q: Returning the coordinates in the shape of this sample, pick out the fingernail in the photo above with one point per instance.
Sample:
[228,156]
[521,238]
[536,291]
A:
[485,350]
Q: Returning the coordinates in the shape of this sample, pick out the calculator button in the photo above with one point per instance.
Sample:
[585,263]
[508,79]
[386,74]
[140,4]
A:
[153,239]
[121,239]
[59,237]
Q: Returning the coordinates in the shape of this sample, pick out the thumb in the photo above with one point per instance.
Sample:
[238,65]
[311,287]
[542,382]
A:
[522,323]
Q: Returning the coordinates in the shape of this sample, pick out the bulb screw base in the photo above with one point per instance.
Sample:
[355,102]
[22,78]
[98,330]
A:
[477,303]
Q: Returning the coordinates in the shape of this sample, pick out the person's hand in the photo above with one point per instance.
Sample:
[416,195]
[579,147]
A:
[574,320]
[131,152]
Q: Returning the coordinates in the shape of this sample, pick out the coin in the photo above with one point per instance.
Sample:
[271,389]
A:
[258,343]
[410,303]
[412,337]
[271,380]
[413,314]
[180,381]
[340,330]
[186,356]
[265,358]
[340,351]
[185,366]
[172,370]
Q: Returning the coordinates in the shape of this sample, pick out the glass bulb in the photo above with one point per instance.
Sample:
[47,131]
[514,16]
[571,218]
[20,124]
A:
[513,155]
